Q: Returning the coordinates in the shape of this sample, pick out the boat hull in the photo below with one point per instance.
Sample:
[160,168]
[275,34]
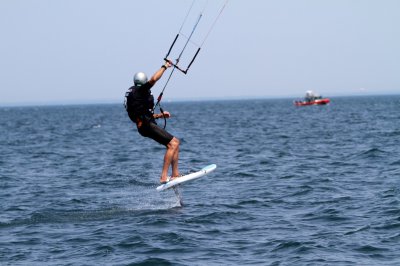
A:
[314,102]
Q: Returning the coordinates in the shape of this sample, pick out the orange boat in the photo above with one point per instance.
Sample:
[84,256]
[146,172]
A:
[312,99]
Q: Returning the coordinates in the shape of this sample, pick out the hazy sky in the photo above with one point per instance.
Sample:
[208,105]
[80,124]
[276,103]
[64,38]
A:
[66,51]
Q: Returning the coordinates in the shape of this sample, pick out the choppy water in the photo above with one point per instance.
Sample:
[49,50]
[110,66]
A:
[317,185]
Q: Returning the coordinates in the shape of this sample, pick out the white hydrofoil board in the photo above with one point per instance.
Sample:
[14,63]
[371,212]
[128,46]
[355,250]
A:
[185,178]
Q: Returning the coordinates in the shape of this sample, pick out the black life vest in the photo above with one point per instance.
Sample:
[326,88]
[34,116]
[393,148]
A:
[139,102]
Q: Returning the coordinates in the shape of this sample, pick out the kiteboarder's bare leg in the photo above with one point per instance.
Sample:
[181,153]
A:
[170,158]
[175,159]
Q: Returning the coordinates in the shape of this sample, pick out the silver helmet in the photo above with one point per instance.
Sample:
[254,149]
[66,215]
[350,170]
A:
[140,79]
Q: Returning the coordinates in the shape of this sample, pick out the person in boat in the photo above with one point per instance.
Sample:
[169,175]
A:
[139,103]
[310,96]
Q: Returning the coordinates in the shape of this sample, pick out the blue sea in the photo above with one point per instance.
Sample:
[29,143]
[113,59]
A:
[313,185]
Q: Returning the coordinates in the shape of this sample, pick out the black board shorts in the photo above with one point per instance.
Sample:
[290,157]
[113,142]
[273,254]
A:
[151,130]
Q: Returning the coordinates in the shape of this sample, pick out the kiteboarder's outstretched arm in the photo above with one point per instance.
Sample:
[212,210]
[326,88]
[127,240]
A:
[159,73]
[153,80]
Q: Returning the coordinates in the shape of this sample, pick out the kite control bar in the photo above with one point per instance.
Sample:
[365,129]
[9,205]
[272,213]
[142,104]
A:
[177,60]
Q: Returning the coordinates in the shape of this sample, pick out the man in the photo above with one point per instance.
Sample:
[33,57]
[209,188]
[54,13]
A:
[139,103]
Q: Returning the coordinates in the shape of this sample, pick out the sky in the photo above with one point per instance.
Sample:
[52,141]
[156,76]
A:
[73,51]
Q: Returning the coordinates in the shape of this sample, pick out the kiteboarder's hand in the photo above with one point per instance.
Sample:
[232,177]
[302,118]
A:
[168,63]
[166,114]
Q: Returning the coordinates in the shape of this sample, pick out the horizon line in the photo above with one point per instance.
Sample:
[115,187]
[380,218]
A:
[170,100]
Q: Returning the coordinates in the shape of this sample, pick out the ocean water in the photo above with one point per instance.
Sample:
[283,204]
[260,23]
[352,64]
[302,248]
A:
[315,185]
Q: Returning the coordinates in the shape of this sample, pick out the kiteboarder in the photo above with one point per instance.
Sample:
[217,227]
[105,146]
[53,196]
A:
[139,103]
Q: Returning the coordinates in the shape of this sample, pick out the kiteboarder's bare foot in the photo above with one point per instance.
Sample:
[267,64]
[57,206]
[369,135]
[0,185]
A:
[164,180]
